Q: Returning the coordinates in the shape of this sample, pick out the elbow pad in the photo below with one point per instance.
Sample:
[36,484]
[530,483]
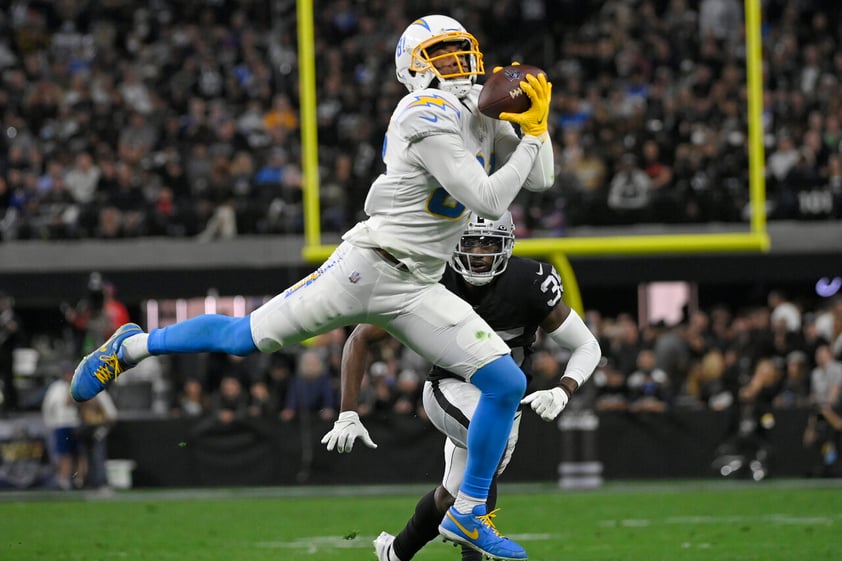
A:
[575,336]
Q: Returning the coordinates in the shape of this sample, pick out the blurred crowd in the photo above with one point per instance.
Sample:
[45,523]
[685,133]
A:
[162,118]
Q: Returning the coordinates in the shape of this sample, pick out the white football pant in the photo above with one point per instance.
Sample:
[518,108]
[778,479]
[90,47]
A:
[356,285]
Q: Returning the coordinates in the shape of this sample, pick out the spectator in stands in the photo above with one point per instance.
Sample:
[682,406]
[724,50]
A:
[758,394]
[278,377]
[821,435]
[115,310]
[649,386]
[261,402]
[748,449]
[829,325]
[408,390]
[587,202]
[706,385]
[311,391]
[783,340]
[90,325]
[230,402]
[782,159]
[697,339]
[192,400]
[612,391]
[61,417]
[679,91]
[366,399]
[811,339]
[624,343]
[721,20]
[664,199]
[832,177]
[82,179]
[382,382]
[97,417]
[546,370]
[629,191]
[11,336]
[784,310]
[796,387]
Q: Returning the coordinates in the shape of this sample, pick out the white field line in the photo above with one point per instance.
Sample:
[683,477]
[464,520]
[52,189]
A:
[781,519]
[314,543]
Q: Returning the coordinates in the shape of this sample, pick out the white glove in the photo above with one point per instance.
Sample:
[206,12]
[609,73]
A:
[547,403]
[346,429]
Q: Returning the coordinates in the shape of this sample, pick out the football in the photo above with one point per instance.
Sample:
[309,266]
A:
[501,92]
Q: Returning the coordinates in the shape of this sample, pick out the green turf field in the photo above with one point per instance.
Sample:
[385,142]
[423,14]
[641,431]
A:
[704,521]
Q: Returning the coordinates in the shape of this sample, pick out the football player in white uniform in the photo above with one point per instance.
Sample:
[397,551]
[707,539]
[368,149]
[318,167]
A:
[515,296]
[443,159]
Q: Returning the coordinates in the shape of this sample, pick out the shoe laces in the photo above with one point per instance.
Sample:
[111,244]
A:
[109,369]
[488,521]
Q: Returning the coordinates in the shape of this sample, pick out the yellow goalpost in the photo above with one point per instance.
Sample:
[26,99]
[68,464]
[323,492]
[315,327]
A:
[557,250]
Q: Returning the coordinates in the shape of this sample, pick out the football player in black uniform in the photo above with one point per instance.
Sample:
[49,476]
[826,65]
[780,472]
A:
[515,296]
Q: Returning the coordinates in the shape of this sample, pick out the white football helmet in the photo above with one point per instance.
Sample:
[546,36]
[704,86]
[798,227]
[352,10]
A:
[484,249]
[414,65]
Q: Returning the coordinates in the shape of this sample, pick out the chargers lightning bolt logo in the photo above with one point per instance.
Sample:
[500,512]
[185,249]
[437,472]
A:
[439,102]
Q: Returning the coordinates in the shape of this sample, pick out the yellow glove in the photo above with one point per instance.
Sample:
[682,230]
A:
[533,121]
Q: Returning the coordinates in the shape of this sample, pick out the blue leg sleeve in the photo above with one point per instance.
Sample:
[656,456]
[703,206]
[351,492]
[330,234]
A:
[502,385]
[203,334]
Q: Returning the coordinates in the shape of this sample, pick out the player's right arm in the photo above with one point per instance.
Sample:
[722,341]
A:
[434,131]
[348,427]
[463,177]
[542,175]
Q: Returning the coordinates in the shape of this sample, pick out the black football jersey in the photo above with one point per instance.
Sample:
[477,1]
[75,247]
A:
[514,304]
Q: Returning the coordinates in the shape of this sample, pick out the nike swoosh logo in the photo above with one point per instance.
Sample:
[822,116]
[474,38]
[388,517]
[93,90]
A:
[433,119]
[473,535]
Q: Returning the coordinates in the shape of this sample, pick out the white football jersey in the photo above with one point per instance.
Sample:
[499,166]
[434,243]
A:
[411,214]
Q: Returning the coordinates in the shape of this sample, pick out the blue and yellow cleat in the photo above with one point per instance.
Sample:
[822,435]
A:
[101,367]
[476,530]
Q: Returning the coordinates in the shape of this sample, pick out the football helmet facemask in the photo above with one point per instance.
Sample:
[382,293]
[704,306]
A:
[414,63]
[484,249]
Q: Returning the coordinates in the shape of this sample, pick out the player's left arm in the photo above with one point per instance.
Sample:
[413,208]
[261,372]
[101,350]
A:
[564,326]
[542,175]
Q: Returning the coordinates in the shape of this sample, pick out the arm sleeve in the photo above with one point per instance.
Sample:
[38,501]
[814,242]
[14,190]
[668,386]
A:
[446,159]
[575,336]
[542,175]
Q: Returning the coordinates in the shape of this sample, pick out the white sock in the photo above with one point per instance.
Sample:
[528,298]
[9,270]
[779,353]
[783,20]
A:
[465,503]
[135,348]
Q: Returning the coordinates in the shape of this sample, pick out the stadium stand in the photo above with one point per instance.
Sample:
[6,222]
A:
[127,119]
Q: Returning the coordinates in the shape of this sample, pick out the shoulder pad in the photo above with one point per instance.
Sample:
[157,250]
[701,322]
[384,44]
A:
[537,271]
[428,112]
